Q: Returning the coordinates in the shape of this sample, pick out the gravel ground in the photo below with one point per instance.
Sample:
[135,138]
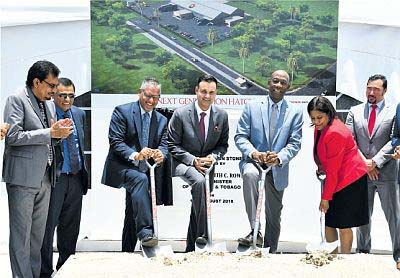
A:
[116,265]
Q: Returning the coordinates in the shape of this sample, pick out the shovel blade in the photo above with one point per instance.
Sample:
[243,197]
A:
[323,246]
[156,251]
[245,250]
[212,248]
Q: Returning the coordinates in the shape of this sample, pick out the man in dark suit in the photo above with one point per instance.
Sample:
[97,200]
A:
[137,132]
[197,136]
[29,164]
[66,197]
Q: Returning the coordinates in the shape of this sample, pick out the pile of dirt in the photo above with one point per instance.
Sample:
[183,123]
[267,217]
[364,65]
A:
[117,265]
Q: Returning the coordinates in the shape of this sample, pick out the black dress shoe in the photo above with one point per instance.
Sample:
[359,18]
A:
[248,240]
[201,240]
[149,241]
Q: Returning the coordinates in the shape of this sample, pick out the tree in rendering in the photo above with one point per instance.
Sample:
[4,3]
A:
[157,15]
[212,35]
[244,53]
[263,65]
[116,20]
[293,12]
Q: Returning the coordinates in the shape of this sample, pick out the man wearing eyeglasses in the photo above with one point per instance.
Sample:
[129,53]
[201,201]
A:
[198,136]
[137,133]
[29,164]
[66,197]
[268,132]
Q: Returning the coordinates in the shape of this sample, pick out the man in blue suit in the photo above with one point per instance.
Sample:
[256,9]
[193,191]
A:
[137,132]
[72,183]
[268,132]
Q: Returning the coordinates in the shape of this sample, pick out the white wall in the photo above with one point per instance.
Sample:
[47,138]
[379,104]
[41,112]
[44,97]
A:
[35,30]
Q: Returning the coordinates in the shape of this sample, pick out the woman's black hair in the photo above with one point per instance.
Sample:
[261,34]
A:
[322,104]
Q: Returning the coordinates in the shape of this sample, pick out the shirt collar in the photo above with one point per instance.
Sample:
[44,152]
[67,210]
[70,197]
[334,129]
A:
[198,109]
[270,103]
[60,113]
[379,104]
[142,111]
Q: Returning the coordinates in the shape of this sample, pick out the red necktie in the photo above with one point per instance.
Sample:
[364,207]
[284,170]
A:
[202,126]
[372,118]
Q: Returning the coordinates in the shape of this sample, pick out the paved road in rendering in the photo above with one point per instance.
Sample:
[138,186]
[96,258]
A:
[200,60]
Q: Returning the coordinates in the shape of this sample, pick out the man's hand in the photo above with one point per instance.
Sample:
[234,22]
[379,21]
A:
[271,158]
[61,129]
[3,130]
[158,156]
[373,174]
[324,205]
[370,164]
[396,154]
[203,163]
[257,156]
[145,153]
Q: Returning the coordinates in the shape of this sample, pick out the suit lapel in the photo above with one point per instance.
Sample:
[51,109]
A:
[195,122]
[265,117]
[49,116]
[379,118]
[33,102]
[136,119]
[153,129]
[282,118]
[78,127]
[364,121]
[211,124]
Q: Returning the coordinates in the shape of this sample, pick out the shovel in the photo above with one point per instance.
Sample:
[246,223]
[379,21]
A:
[244,249]
[150,252]
[323,246]
[209,247]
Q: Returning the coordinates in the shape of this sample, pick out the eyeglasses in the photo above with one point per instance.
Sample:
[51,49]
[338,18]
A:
[156,97]
[282,81]
[52,86]
[65,95]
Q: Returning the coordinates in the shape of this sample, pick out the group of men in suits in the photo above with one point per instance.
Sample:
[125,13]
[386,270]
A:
[44,169]
[46,175]
[196,137]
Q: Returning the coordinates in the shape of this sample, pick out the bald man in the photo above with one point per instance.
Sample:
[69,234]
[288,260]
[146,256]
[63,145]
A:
[274,140]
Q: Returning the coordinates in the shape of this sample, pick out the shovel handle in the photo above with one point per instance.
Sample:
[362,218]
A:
[153,196]
[208,203]
[261,183]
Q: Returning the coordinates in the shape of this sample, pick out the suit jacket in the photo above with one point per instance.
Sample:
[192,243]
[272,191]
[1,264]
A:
[26,153]
[377,146]
[396,128]
[124,138]
[253,134]
[184,139]
[339,157]
[79,118]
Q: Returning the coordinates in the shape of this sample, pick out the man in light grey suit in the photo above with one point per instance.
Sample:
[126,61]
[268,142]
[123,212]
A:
[268,132]
[197,136]
[29,166]
[371,124]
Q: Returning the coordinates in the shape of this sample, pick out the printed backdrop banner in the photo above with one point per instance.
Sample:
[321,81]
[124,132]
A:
[300,221]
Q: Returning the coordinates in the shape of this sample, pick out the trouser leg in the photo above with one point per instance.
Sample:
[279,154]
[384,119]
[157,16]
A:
[137,184]
[363,233]
[273,209]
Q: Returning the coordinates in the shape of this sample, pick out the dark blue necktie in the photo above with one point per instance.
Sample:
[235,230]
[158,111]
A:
[145,138]
[73,149]
[145,129]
